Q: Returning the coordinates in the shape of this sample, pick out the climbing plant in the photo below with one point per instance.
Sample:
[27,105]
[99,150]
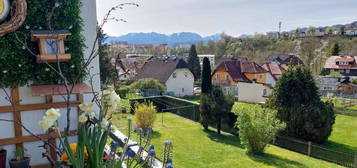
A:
[17,61]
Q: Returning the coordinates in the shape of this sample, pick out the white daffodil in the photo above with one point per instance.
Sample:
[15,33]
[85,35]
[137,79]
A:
[82,118]
[104,123]
[87,108]
[53,114]
[46,123]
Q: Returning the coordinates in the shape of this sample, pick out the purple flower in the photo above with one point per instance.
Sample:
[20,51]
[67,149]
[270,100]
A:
[167,142]
[114,144]
[130,153]
[149,128]
[169,165]
[152,147]
[152,152]
[169,160]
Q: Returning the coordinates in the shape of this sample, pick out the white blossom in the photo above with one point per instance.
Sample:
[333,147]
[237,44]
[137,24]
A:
[4,71]
[53,114]
[82,118]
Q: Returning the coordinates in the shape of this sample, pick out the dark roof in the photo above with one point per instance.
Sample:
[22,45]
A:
[236,69]
[288,59]
[40,32]
[160,68]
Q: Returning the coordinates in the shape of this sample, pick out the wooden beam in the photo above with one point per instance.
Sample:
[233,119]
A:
[23,139]
[29,107]
[42,166]
[17,114]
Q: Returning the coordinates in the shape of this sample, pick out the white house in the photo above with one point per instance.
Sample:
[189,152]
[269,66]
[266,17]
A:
[210,57]
[171,72]
[30,97]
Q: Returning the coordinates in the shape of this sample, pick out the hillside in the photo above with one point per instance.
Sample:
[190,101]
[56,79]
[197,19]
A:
[157,38]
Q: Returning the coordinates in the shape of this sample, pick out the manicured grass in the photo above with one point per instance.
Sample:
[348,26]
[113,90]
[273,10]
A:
[195,99]
[344,134]
[194,147]
[344,106]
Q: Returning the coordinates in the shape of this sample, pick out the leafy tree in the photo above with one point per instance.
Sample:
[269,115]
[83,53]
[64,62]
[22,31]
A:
[206,84]
[107,71]
[222,106]
[206,109]
[257,127]
[297,100]
[194,62]
[334,50]
[144,84]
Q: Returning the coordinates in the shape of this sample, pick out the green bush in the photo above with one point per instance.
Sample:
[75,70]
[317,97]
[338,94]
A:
[297,100]
[206,108]
[123,91]
[257,127]
[145,115]
[144,84]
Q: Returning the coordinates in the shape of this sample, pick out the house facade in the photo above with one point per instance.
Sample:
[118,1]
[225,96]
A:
[170,71]
[275,69]
[35,100]
[210,57]
[247,81]
[346,65]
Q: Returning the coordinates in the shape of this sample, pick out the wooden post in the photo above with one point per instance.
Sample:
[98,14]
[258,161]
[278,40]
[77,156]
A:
[51,132]
[15,98]
[309,148]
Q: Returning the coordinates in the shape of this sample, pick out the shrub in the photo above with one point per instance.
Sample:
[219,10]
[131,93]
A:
[257,127]
[222,106]
[144,85]
[206,108]
[145,115]
[297,100]
[123,91]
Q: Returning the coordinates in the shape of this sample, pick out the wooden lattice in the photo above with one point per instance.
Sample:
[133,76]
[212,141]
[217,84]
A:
[17,19]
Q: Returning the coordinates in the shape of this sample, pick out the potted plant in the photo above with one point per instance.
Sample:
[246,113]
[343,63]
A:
[2,157]
[20,160]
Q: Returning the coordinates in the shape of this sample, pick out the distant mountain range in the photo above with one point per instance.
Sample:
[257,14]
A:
[157,38]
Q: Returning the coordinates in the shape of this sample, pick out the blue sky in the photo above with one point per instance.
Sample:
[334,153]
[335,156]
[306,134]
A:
[234,17]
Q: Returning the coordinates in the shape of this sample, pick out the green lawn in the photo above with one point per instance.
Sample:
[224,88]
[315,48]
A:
[195,99]
[344,134]
[344,106]
[194,147]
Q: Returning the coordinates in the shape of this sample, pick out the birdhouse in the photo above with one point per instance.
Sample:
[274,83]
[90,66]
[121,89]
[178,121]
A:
[51,45]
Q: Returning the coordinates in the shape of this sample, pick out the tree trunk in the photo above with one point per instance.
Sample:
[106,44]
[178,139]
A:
[219,126]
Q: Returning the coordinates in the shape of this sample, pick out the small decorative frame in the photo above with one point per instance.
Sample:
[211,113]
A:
[51,45]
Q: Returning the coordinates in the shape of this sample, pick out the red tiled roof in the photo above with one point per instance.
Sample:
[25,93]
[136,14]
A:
[237,68]
[274,68]
[331,62]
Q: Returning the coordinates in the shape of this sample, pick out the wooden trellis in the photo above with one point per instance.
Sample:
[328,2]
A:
[17,108]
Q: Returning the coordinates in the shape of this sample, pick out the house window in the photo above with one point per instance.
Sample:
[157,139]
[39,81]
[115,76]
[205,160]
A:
[227,77]
[261,76]
[183,90]
[264,92]
[218,77]
[342,71]
[174,75]
[347,71]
